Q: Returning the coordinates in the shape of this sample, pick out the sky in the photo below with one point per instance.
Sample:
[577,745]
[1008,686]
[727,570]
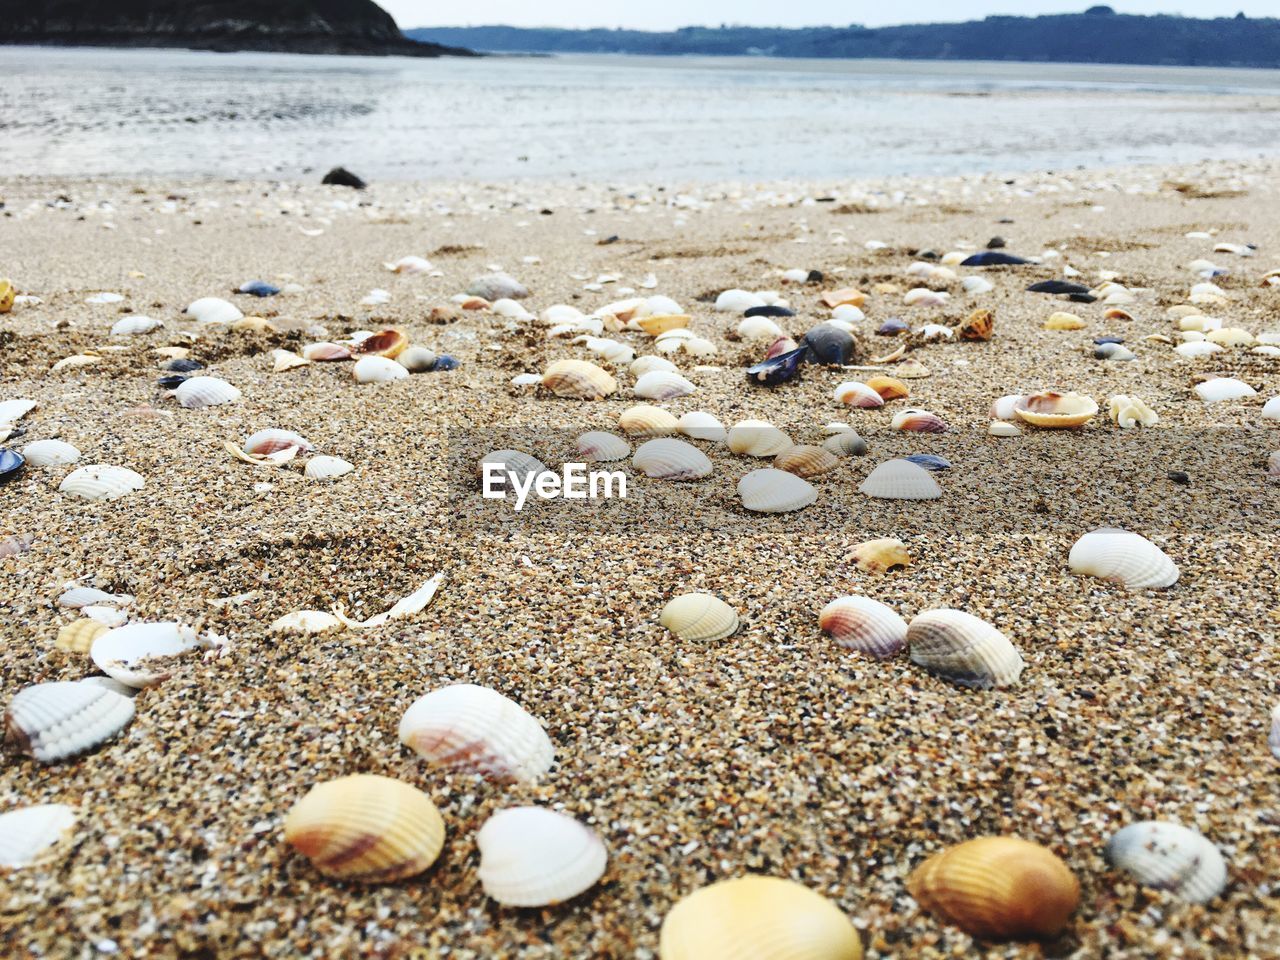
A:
[668,14]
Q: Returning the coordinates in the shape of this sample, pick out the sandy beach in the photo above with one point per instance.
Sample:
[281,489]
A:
[773,751]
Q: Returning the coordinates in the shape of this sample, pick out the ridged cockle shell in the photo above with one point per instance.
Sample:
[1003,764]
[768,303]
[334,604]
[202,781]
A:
[699,616]
[1170,857]
[644,420]
[535,857]
[775,491]
[1123,557]
[865,625]
[578,380]
[666,458]
[55,721]
[805,460]
[757,438]
[963,649]
[880,556]
[900,480]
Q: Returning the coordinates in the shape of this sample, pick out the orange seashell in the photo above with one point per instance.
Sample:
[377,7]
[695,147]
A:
[998,888]
[1055,410]
[889,388]
[474,303]
[319,352]
[849,295]
[978,326]
[389,343]
[806,461]
[1115,313]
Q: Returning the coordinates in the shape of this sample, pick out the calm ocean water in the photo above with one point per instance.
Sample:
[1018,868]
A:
[182,114]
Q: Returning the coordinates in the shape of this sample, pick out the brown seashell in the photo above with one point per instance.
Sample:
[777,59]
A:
[443,315]
[78,637]
[253,325]
[881,556]
[579,380]
[389,343]
[998,888]
[1115,313]
[322,352]
[889,388]
[475,303]
[806,461]
[977,326]
[849,295]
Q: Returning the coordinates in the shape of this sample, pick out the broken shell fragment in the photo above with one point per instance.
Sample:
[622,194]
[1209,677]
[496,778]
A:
[666,458]
[849,295]
[1054,410]
[644,420]
[601,446]
[1170,857]
[535,857]
[1128,412]
[76,598]
[757,438]
[134,325]
[134,654]
[273,440]
[699,617]
[306,623]
[56,721]
[900,480]
[325,352]
[378,369]
[963,649]
[701,426]
[805,460]
[778,369]
[1122,557]
[282,360]
[578,380]
[497,286]
[1002,428]
[101,481]
[775,491]
[865,625]
[27,833]
[881,556]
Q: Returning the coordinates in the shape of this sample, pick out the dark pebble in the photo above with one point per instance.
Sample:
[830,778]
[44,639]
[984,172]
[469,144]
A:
[996,243]
[342,177]
[1177,476]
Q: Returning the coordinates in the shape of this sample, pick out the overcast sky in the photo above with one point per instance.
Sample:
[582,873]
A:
[667,14]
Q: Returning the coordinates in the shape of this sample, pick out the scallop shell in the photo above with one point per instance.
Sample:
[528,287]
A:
[1055,410]
[775,491]
[476,730]
[200,392]
[889,388]
[325,351]
[101,481]
[919,421]
[50,453]
[702,426]
[649,363]
[56,721]
[601,446]
[911,369]
[998,888]
[131,326]
[757,918]
[377,369]
[805,460]
[389,343]
[662,385]
[856,394]
[963,649]
[880,556]
[327,468]
[212,310]
[28,832]
[669,459]
[900,480]
[644,420]
[865,625]
[420,360]
[1170,857]
[699,617]
[578,380]
[366,828]
[78,637]
[1123,557]
[273,441]
[757,438]
[134,654]
[535,857]
[846,443]
[306,623]
[1223,388]
[512,462]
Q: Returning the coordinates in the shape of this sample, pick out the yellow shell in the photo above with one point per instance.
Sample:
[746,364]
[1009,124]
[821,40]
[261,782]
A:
[849,295]
[806,461]
[579,379]
[646,420]
[998,888]
[757,918]
[889,388]
[978,326]
[880,556]
[699,616]
[367,828]
[662,323]
[1064,321]
[1051,409]
[78,637]
[389,343]
[6,296]
[1230,337]
[254,325]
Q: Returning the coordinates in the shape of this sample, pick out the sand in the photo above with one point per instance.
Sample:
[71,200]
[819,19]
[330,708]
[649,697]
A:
[773,751]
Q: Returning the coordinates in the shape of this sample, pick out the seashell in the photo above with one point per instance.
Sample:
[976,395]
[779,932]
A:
[1064,321]
[880,556]
[327,468]
[131,326]
[661,323]
[1122,557]
[1130,412]
[644,420]
[200,392]
[769,310]
[506,307]
[963,649]
[535,857]
[273,441]
[50,453]
[780,346]
[992,258]
[976,285]
[776,370]
[1115,313]
[306,623]
[520,379]
[670,459]
[1266,350]
[11,462]
[7,296]
[28,832]
[376,369]
[57,721]
[649,363]
[1005,408]
[936,331]
[699,617]
[366,828]
[911,370]
[1273,740]
[846,443]
[1273,469]
[257,288]
[11,411]
[410,265]
[324,352]
[757,918]
[930,461]
[848,295]
[757,438]
[598,445]
[181,365]
[856,394]
[1170,857]
[900,480]
[889,388]
[389,343]
[828,344]
[775,491]
[1113,351]
[924,297]
[126,653]
[1055,410]
[1197,348]
[107,616]
[919,421]
[511,462]
[1230,337]
[737,301]
[78,597]
[847,314]
[662,385]
[282,360]
[473,729]
[701,426]
[998,888]
[497,286]
[213,310]
[979,325]
[578,380]
[78,637]
[1270,411]
[254,325]
[805,460]
[1223,388]
[864,625]
[445,362]
[758,328]
[893,327]
[610,350]
[100,481]
[408,606]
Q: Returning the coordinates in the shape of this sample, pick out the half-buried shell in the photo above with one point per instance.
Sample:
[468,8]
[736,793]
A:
[198,392]
[699,617]
[662,385]
[56,721]
[963,649]
[378,369]
[389,343]
[1123,557]
[845,443]
[101,481]
[900,480]
[535,857]
[579,380]
[865,625]
[805,460]
[919,421]
[757,438]
[273,441]
[50,453]
[645,420]
[27,833]
[701,426]
[881,556]
[134,654]
[1170,857]
[601,446]
[775,491]
[78,637]
[666,458]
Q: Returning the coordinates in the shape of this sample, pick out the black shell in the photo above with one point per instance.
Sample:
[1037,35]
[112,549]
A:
[828,344]
[776,370]
[11,463]
[768,310]
[1057,286]
[182,365]
[992,258]
[892,327]
[445,362]
[172,382]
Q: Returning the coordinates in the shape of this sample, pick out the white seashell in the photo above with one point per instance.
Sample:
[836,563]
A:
[923,297]
[757,438]
[699,617]
[775,491]
[374,369]
[702,426]
[759,328]
[669,459]
[282,360]
[936,331]
[738,301]
[1266,350]
[535,857]
[50,453]
[410,265]
[650,363]
[1170,857]
[213,310]
[28,832]
[963,649]
[601,446]
[100,481]
[854,393]
[662,385]
[420,360]
[976,285]
[513,462]
[1269,338]
[408,606]
[1128,412]
[106,615]
[1270,411]
[273,440]
[306,623]
[1003,409]
[611,350]
[865,625]
[326,468]
[847,314]
[511,309]
[129,326]
[1273,741]
[200,392]
[526,380]
[11,411]
[559,313]
[699,347]
[1197,348]
[56,721]
[473,729]
[1223,388]
[120,653]
[900,480]
[1123,557]
[104,298]
[1002,428]
[77,597]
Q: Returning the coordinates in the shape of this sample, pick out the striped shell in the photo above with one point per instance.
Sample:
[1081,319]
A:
[78,637]
[1223,388]
[757,438]
[699,616]
[578,380]
[473,729]
[366,828]
[880,556]
[644,420]
[27,833]
[535,857]
[649,363]
[900,480]
[775,491]
[134,654]
[662,385]
[389,343]
[845,443]
[865,625]
[132,326]
[325,351]
[978,325]
[702,426]
[327,468]
[601,446]
[963,649]
[212,310]
[854,393]
[101,481]
[1126,558]
[890,388]
[1170,857]
[377,369]
[669,459]
[273,441]
[1273,739]
[507,462]
[77,597]
[805,460]
[1055,410]
[56,721]
[919,421]
[998,888]
[200,392]
[757,918]
[50,453]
